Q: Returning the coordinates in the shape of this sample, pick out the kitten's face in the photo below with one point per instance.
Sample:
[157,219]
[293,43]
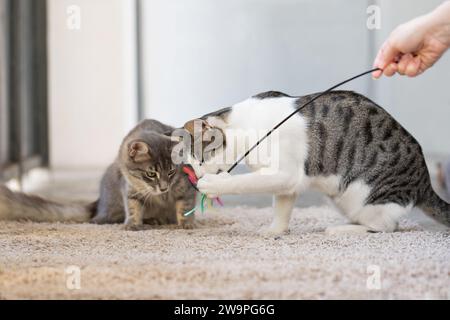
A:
[150,169]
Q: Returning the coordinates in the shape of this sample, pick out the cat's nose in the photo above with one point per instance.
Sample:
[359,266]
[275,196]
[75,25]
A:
[163,186]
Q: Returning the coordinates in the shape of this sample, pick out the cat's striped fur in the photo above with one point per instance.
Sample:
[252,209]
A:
[351,136]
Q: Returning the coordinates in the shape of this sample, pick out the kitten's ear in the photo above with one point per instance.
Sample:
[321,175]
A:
[139,151]
[197,127]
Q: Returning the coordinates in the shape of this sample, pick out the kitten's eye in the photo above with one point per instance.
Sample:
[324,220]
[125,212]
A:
[171,172]
[151,174]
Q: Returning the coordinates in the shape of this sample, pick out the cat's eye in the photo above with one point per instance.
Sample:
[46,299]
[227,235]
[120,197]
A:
[151,174]
[171,172]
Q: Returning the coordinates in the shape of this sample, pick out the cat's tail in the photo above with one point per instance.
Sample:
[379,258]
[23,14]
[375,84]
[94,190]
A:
[20,206]
[435,207]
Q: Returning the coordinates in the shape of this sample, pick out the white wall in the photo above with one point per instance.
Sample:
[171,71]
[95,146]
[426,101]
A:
[92,81]
[201,55]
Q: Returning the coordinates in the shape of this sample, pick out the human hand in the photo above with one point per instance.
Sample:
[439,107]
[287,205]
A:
[415,46]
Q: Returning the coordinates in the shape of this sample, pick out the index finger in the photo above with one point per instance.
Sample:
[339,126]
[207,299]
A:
[385,56]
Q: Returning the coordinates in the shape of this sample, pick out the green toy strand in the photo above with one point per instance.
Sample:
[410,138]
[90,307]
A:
[202,206]
[190,212]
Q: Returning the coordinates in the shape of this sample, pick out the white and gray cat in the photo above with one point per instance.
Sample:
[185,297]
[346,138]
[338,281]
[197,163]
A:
[342,144]
[142,186]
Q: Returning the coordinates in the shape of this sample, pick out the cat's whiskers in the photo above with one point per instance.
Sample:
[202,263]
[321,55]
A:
[147,196]
[135,194]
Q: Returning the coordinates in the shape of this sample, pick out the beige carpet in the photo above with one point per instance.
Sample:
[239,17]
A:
[224,258]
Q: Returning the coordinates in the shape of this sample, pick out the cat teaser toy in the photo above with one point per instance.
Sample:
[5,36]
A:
[193,178]
[204,200]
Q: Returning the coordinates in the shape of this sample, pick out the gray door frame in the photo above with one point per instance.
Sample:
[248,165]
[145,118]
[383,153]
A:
[23,87]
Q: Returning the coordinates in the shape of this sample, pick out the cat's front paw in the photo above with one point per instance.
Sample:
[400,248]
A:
[187,224]
[133,227]
[274,231]
[211,184]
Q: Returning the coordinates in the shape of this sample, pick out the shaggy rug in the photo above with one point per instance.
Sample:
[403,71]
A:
[225,257]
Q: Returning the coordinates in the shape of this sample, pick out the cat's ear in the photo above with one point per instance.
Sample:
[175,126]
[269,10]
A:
[197,127]
[139,151]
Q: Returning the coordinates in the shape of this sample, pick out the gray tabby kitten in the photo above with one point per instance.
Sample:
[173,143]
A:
[144,183]
[343,145]
[141,186]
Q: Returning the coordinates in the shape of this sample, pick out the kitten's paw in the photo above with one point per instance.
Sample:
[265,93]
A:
[99,220]
[274,231]
[133,227]
[187,224]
